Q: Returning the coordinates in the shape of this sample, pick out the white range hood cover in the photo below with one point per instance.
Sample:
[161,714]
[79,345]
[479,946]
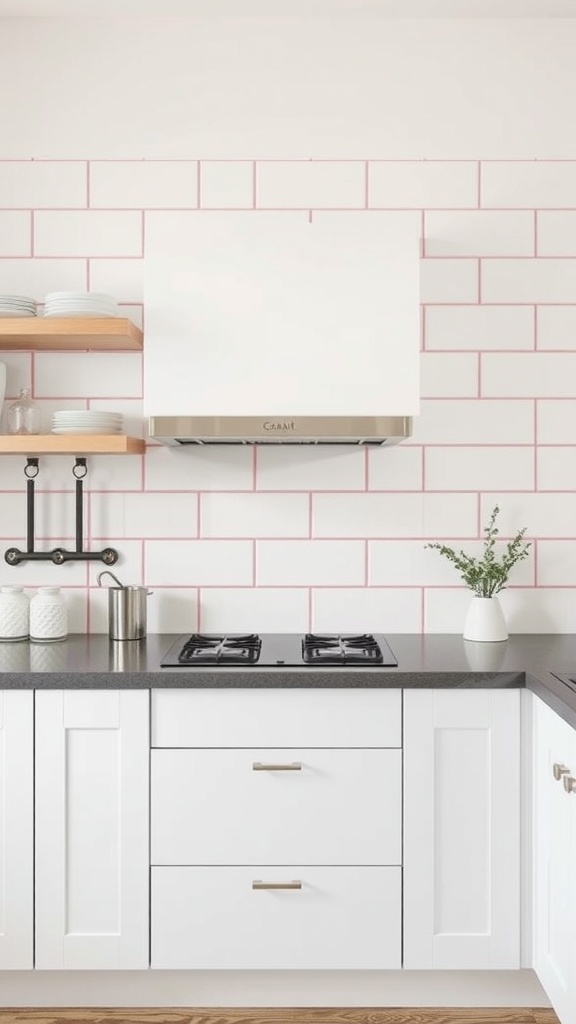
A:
[273,318]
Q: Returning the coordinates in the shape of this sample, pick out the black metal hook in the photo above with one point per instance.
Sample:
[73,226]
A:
[13,556]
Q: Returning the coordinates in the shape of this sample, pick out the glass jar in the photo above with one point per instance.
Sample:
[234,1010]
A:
[48,616]
[14,614]
[24,415]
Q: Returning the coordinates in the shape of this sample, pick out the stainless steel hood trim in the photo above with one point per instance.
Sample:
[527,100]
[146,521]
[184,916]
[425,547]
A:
[186,430]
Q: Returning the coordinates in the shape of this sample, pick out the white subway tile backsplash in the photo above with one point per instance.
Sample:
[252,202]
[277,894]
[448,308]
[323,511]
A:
[556,563]
[167,232]
[557,468]
[395,469]
[445,609]
[35,277]
[92,374]
[173,610]
[130,565]
[448,280]
[200,469]
[122,278]
[306,468]
[257,609]
[254,515]
[310,563]
[462,468]
[144,515]
[543,515]
[448,375]
[393,515]
[529,375]
[367,609]
[199,563]
[226,184]
[556,421]
[556,233]
[342,530]
[422,183]
[408,563]
[125,184]
[539,610]
[475,421]
[43,183]
[528,280]
[528,183]
[411,563]
[479,233]
[88,233]
[556,327]
[319,184]
[479,327]
[15,233]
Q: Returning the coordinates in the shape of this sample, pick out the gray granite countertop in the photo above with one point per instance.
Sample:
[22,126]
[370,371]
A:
[424,661]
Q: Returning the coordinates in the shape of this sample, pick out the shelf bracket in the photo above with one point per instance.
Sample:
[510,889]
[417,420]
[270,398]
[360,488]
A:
[14,556]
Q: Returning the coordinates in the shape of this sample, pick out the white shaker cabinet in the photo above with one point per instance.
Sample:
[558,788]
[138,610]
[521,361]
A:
[16,829]
[279,846]
[555,859]
[462,829]
[92,863]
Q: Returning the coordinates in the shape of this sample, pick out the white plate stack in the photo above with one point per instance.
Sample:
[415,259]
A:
[80,304]
[17,305]
[78,421]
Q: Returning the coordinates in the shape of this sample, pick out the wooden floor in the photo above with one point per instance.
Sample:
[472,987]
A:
[278,1016]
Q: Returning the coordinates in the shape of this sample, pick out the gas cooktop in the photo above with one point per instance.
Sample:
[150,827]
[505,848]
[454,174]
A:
[279,650]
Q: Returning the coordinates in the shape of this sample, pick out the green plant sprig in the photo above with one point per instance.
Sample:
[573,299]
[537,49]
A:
[487,575]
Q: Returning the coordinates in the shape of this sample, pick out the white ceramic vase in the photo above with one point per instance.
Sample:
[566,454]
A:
[485,620]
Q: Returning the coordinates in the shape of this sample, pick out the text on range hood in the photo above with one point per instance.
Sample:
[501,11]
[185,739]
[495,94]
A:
[184,430]
[273,328]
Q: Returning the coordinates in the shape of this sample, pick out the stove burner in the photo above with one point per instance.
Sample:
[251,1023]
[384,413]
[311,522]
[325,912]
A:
[200,649]
[341,650]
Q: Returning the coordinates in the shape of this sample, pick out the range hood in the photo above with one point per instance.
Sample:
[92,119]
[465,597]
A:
[184,430]
[274,328]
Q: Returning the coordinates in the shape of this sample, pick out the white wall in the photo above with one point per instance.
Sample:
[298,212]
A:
[109,122]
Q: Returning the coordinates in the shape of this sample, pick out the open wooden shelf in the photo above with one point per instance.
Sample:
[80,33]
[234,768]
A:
[69,333]
[71,444]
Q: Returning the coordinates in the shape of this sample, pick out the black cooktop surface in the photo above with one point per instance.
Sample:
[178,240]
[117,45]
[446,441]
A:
[266,650]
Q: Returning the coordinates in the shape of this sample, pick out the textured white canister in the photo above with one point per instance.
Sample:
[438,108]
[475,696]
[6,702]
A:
[14,614]
[48,615]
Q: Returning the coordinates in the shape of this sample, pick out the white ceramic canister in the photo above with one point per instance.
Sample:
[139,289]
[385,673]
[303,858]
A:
[14,614]
[48,615]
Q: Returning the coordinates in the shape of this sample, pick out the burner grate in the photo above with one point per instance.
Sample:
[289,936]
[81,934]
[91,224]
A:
[201,649]
[341,649]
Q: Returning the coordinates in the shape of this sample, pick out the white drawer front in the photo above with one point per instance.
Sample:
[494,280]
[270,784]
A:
[276,718]
[212,918]
[214,807]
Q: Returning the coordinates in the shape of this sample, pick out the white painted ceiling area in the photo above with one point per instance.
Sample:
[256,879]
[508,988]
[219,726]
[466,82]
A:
[238,8]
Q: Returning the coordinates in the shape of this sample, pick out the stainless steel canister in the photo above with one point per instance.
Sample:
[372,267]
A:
[127,612]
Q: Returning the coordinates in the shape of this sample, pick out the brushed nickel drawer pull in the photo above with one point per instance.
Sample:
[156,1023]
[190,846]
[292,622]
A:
[257,884]
[258,766]
[558,770]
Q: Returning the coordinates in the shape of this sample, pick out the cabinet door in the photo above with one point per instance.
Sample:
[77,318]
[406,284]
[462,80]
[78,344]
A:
[16,829]
[462,829]
[92,794]
[555,853]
